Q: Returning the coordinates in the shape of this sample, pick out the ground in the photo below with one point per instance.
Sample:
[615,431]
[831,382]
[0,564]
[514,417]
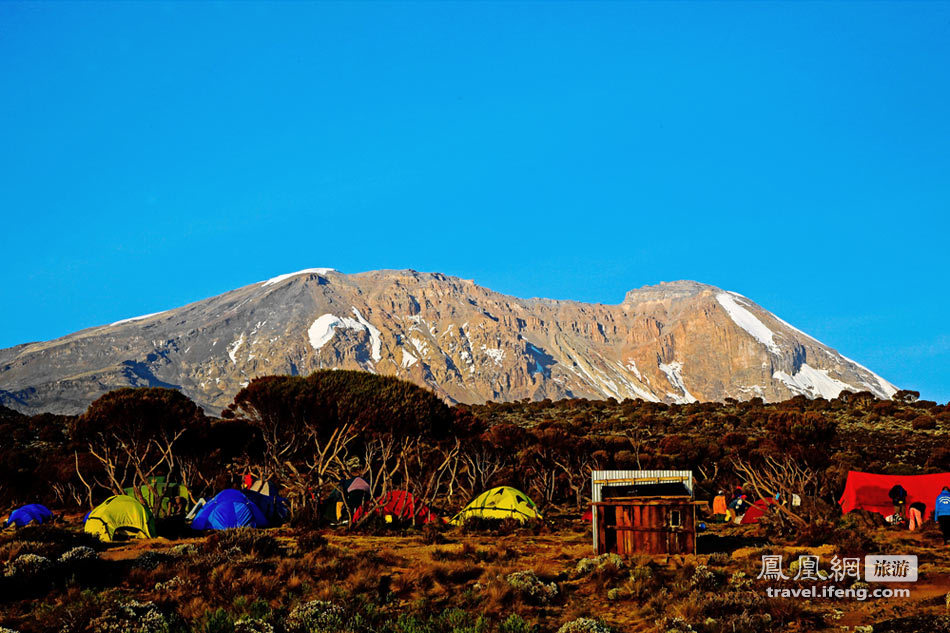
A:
[437,580]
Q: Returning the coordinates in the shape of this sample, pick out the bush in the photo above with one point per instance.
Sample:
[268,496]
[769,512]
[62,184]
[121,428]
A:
[584,625]
[923,423]
[252,625]
[587,565]
[248,541]
[131,617]
[27,566]
[315,616]
[532,589]
[514,623]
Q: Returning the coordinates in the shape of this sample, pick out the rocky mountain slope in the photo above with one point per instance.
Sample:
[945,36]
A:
[675,342]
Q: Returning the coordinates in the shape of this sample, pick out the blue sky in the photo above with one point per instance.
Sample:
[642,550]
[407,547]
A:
[156,154]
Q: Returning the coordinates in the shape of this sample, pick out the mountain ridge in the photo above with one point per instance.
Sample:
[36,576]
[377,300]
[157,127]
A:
[675,341]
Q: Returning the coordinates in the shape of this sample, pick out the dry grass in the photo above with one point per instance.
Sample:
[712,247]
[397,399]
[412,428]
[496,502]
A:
[399,574]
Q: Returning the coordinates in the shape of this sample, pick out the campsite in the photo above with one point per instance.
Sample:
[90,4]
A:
[346,501]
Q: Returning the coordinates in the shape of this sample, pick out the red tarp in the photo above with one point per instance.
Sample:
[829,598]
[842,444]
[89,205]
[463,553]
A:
[868,491]
[753,514]
[401,505]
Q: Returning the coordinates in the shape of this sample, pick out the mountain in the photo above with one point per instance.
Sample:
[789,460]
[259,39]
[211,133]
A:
[675,342]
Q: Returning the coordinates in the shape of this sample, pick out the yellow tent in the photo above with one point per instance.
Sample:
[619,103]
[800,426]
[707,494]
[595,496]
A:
[120,517]
[502,502]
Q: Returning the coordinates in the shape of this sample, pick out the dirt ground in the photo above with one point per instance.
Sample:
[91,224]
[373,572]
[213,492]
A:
[460,562]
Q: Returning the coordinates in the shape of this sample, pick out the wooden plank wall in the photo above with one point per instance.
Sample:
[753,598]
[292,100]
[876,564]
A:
[631,528]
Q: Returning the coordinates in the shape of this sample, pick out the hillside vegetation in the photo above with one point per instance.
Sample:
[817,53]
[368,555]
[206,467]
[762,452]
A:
[307,433]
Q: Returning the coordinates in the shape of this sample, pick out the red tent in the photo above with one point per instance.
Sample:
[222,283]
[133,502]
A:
[753,514]
[868,491]
[399,504]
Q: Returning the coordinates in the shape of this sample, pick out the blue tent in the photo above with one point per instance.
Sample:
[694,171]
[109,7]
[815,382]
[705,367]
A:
[33,513]
[229,509]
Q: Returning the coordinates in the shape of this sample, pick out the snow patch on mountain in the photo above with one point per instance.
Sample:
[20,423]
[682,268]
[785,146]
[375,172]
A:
[494,353]
[234,347]
[814,383]
[306,271]
[882,387]
[322,330]
[632,366]
[375,341]
[138,318]
[747,321]
[674,373]
[408,360]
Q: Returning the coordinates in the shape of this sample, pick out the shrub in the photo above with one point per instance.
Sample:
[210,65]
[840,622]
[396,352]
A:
[514,623]
[131,617]
[247,541]
[532,589]
[76,555]
[151,560]
[27,566]
[587,565]
[584,625]
[316,616]
[923,423]
[252,625]
[311,541]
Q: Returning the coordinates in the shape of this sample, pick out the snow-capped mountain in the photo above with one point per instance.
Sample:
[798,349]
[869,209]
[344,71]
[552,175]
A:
[675,342]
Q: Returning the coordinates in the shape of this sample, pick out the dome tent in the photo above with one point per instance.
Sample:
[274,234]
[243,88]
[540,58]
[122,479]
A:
[350,493]
[32,513]
[264,495]
[120,517]
[229,509]
[503,502]
[759,508]
[399,505]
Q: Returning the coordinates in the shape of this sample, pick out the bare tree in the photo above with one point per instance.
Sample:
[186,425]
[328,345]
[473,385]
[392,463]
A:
[783,478]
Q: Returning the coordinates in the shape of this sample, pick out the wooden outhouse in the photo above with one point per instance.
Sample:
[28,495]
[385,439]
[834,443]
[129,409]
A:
[643,512]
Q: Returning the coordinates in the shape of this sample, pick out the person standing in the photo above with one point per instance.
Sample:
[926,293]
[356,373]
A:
[898,497]
[917,510]
[719,507]
[942,513]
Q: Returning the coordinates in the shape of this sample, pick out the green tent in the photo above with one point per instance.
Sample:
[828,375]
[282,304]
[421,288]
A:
[120,517]
[162,500]
[503,502]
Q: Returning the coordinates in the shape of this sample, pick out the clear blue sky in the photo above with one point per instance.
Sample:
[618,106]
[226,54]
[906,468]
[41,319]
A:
[156,154]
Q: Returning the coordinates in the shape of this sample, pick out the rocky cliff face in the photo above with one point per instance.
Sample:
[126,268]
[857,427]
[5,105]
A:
[675,342]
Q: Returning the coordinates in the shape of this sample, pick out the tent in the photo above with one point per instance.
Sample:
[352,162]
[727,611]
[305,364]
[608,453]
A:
[502,502]
[32,513]
[120,517]
[264,495]
[868,491]
[754,513]
[229,509]
[397,505]
[160,496]
[351,493]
